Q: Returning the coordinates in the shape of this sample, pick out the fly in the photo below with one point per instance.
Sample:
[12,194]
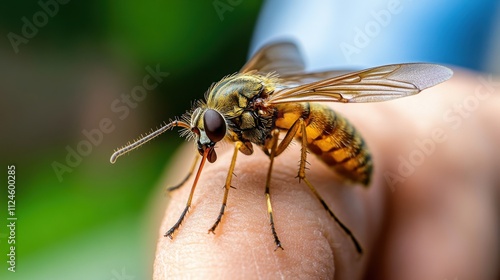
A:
[271,95]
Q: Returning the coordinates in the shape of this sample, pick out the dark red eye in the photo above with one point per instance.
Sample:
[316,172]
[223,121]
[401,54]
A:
[215,126]
[195,130]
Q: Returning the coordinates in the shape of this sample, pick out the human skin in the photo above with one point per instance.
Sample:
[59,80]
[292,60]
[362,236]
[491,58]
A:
[440,223]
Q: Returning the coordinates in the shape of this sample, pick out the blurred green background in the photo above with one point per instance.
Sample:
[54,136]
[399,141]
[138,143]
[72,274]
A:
[93,221]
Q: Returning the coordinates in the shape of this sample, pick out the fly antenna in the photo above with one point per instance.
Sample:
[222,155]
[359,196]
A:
[139,142]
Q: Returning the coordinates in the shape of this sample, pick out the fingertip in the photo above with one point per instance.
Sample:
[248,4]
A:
[313,245]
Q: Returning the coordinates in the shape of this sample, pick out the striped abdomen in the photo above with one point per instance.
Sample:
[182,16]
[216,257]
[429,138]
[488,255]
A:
[331,137]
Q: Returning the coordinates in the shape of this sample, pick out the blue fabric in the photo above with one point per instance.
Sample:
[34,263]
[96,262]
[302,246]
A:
[356,33]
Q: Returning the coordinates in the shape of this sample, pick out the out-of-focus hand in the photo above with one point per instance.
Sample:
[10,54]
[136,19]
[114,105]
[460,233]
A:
[431,211]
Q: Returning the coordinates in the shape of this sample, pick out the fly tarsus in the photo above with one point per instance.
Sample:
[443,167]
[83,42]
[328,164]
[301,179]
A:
[171,231]
[275,235]
[345,228]
[217,221]
[337,220]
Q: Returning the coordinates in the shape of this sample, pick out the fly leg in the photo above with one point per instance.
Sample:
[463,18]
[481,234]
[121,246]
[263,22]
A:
[188,203]
[290,134]
[273,152]
[272,155]
[227,186]
[173,188]
[302,176]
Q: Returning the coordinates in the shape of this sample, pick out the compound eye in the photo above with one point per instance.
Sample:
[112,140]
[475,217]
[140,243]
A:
[215,126]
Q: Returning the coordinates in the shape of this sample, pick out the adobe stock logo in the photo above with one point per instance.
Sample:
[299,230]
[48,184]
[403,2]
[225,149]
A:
[223,6]
[120,107]
[453,118]
[372,28]
[30,28]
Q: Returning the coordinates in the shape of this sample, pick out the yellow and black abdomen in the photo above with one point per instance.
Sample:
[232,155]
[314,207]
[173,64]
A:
[331,137]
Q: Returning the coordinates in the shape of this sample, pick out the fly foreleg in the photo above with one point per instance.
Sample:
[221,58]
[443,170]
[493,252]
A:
[302,176]
[171,231]
[227,186]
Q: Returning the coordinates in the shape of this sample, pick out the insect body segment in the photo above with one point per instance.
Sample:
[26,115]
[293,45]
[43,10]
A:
[240,99]
[271,94]
[331,137]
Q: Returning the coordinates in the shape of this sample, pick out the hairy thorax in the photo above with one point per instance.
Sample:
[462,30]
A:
[241,99]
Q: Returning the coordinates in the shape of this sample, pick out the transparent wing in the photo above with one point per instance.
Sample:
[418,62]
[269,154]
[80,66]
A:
[297,79]
[371,85]
[282,58]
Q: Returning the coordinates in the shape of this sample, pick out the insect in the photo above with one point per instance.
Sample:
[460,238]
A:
[271,96]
